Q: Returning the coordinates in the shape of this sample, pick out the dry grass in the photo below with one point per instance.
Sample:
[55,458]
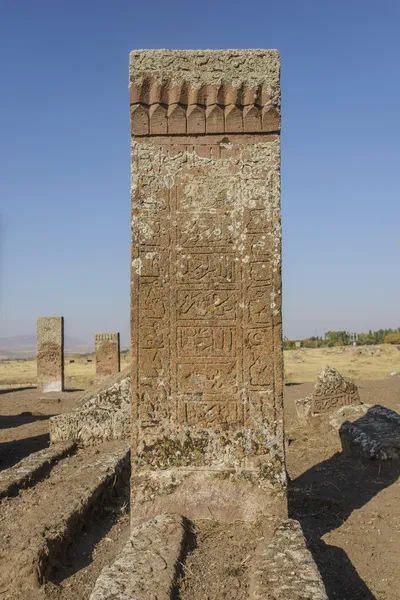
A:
[79,374]
[364,362]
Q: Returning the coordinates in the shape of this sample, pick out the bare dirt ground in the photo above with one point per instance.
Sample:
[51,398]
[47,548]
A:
[217,566]
[348,511]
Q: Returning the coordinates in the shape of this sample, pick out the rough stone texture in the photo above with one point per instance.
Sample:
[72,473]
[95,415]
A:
[149,564]
[30,469]
[206,283]
[303,408]
[376,435]
[285,569]
[107,354]
[332,390]
[103,414]
[50,354]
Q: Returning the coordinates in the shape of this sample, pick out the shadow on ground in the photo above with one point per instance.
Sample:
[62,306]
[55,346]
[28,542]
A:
[13,452]
[17,389]
[323,498]
[9,421]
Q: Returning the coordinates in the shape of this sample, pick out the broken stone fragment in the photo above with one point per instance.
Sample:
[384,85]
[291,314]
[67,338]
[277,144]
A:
[303,410]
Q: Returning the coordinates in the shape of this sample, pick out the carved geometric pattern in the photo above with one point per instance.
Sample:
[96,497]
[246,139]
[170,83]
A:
[171,109]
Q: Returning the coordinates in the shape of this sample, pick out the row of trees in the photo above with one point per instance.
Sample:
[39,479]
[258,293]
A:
[380,336]
[345,338]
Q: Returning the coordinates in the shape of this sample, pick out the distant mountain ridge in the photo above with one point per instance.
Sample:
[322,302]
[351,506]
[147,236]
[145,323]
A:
[23,346]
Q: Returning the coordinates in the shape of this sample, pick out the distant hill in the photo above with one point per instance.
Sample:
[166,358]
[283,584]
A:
[24,346]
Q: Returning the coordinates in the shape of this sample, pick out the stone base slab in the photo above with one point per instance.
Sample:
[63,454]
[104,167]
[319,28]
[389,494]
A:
[224,496]
[284,568]
[148,566]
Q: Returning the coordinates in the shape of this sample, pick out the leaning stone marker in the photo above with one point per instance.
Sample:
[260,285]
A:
[50,353]
[107,354]
[206,318]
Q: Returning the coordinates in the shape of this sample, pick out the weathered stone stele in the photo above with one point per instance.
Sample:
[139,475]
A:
[50,354]
[107,354]
[206,324]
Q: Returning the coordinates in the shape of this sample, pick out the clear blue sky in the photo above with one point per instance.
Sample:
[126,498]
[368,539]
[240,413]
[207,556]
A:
[64,153]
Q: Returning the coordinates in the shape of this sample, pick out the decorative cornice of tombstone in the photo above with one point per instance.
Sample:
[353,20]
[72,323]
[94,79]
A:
[176,92]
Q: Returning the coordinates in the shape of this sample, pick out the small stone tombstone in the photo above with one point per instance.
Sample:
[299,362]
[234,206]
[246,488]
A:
[107,354]
[50,354]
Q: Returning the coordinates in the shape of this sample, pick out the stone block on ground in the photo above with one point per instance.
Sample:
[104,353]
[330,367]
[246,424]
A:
[285,568]
[149,564]
[103,413]
[376,435]
[332,391]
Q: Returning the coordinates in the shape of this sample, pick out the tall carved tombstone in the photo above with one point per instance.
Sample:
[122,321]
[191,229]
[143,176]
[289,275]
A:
[50,354]
[206,324]
[107,354]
